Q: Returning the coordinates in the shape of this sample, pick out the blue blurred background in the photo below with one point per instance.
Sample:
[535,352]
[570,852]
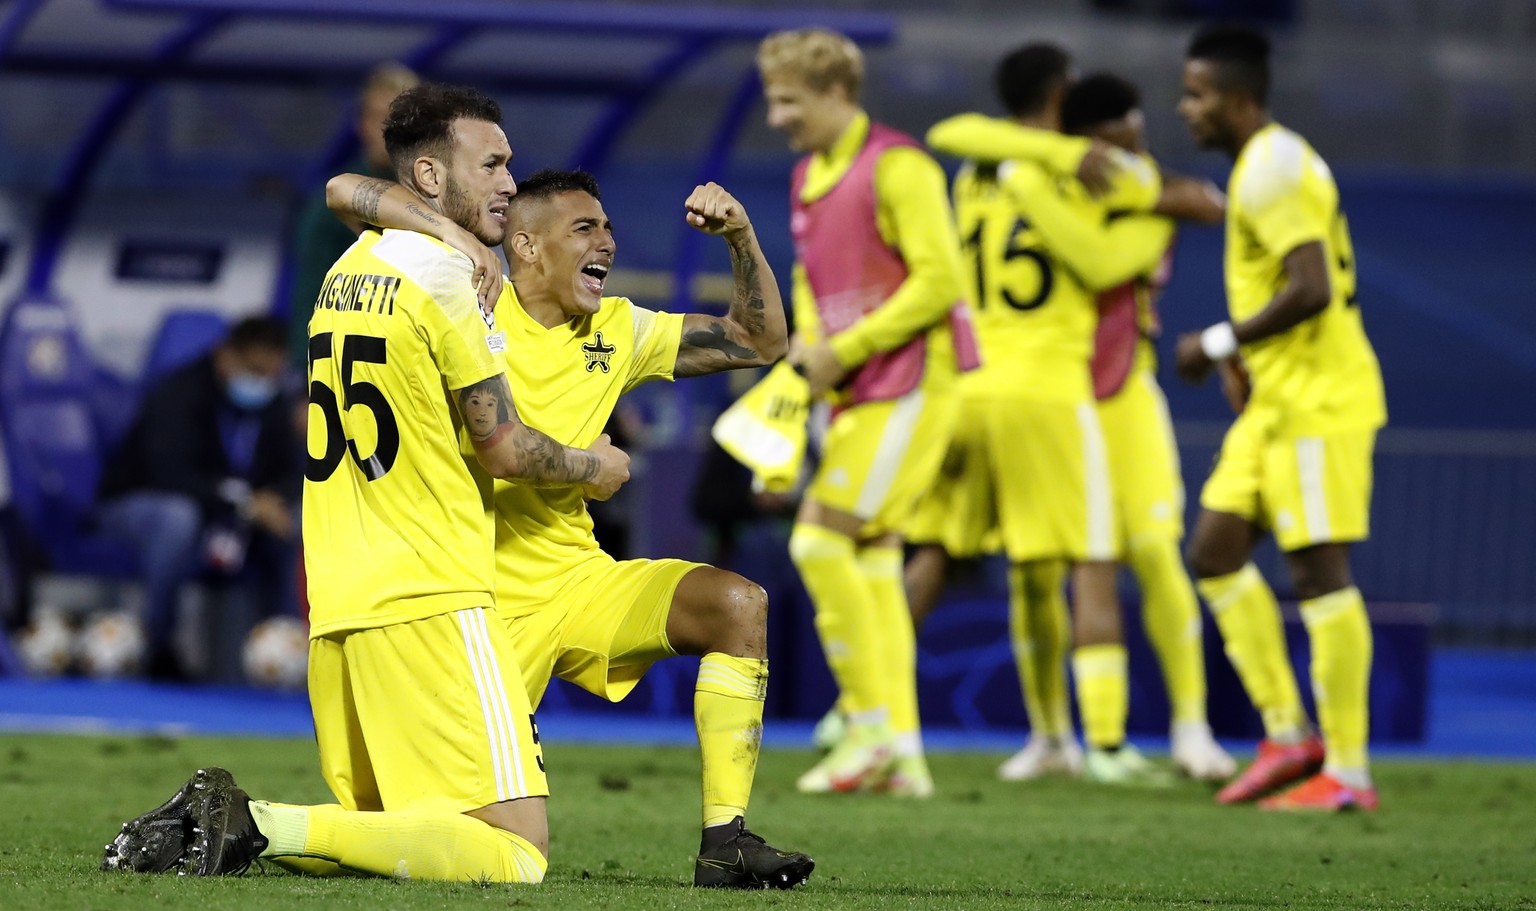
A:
[155,155]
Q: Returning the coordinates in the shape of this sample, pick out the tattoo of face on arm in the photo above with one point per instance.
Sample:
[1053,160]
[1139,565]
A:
[487,406]
[365,199]
[489,416]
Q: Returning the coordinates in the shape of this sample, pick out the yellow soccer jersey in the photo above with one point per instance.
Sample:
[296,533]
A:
[1038,250]
[394,518]
[565,382]
[1322,375]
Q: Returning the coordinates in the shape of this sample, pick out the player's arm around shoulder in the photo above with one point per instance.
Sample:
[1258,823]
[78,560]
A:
[984,138]
[386,204]
[1101,253]
[753,331]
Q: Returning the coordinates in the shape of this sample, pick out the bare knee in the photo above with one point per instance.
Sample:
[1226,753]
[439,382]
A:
[1096,603]
[719,611]
[1319,570]
[1220,545]
[1205,563]
[744,618]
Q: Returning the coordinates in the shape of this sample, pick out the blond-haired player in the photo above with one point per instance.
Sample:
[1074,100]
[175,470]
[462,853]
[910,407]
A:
[1297,461]
[880,329]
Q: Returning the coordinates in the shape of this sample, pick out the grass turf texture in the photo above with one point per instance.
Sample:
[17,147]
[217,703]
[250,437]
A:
[623,820]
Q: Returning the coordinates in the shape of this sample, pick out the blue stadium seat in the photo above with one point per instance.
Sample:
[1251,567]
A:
[52,439]
[115,402]
[183,336]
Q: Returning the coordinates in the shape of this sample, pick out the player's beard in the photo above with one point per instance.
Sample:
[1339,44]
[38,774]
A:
[462,210]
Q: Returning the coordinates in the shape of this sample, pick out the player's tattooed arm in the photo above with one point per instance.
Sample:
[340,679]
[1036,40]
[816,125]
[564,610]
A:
[754,331]
[383,203]
[365,199]
[513,451]
[387,204]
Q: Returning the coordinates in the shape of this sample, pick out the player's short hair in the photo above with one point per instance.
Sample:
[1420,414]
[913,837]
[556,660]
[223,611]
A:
[550,182]
[1099,98]
[543,186]
[421,121]
[1240,56]
[1024,78]
[821,57]
[257,332]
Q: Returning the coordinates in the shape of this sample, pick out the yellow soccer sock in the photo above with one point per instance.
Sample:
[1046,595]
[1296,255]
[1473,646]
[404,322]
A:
[845,616]
[728,714]
[896,643]
[426,846]
[1170,614]
[1254,638]
[1041,630]
[312,866]
[1103,694]
[1340,631]
[285,827]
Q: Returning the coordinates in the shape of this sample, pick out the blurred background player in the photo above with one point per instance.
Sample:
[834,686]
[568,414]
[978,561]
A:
[208,478]
[880,328]
[1297,461]
[1042,246]
[319,238]
[425,734]
[573,611]
[1143,456]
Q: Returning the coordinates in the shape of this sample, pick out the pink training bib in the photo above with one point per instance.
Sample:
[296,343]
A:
[853,271]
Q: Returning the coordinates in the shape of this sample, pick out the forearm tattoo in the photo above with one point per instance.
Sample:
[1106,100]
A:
[490,415]
[713,337]
[365,199]
[547,463]
[422,214]
[747,297]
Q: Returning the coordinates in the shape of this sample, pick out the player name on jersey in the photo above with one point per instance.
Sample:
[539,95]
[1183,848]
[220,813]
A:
[352,291]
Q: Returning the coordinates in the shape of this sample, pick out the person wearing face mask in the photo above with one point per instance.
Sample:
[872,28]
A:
[208,477]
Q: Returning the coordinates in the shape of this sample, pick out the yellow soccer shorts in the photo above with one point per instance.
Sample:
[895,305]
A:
[602,628]
[959,510]
[1035,471]
[1306,489]
[1143,461]
[427,715]
[879,458]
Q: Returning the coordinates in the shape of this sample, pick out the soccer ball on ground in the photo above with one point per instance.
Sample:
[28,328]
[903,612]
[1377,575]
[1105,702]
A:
[276,654]
[111,645]
[47,646]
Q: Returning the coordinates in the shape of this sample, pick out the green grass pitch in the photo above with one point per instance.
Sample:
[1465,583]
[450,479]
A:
[623,820]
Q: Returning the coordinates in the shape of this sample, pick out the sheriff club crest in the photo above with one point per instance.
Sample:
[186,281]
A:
[598,353]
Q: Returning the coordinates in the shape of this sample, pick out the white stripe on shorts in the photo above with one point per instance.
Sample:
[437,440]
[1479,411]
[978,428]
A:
[1101,501]
[1311,471]
[891,452]
[501,731]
